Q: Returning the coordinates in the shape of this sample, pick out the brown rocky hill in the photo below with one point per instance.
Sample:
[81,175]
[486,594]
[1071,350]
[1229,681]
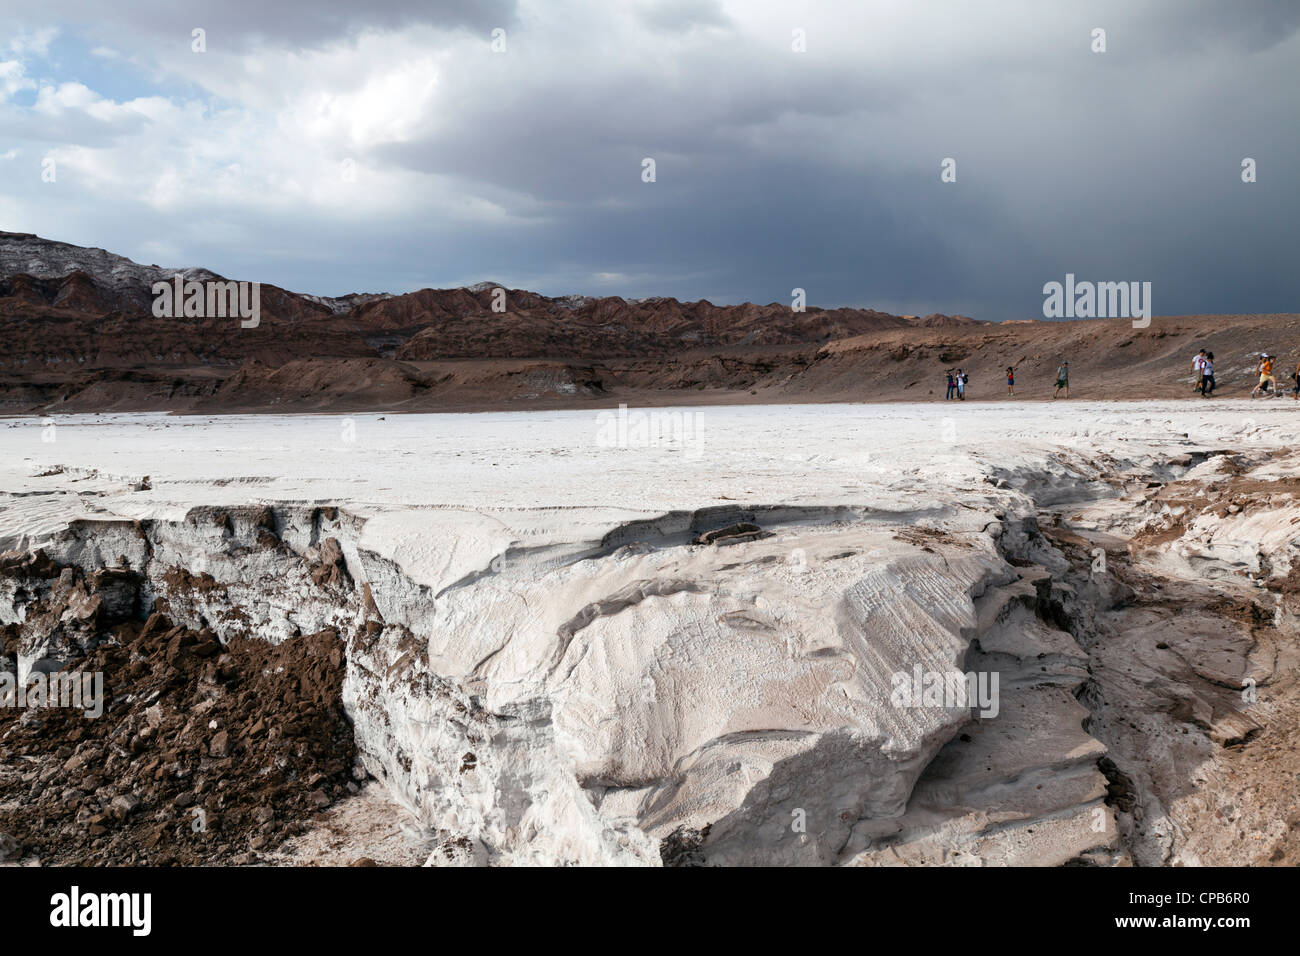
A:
[78,335]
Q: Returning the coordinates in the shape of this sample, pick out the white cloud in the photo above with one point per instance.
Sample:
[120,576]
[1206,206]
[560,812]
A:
[34,42]
[52,100]
[13,78]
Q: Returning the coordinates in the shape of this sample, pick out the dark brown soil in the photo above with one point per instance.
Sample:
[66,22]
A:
[205,753]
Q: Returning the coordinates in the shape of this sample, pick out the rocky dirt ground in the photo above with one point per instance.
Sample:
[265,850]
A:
[205,752]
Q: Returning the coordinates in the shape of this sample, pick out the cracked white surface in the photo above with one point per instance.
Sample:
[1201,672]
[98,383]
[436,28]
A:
[613,681]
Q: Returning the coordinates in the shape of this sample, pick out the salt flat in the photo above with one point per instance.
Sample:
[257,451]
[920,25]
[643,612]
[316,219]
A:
[542,475]
[547,593]
[888,456]
[495,460]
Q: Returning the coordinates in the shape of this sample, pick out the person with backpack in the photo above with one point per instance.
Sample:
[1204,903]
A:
[962,379]
[1062,380]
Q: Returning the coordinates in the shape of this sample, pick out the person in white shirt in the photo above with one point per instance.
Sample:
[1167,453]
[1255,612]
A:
[1198,369]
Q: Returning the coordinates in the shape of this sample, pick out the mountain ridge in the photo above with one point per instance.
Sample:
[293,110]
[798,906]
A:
[124,285]
[78,340]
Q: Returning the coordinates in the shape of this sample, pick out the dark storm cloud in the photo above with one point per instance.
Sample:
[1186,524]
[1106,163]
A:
[1250,25]
[1123,165]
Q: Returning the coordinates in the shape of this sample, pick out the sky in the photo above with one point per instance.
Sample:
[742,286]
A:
[333,146]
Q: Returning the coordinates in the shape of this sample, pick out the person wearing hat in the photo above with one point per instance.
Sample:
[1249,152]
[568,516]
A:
[1266,379]
[1062,380]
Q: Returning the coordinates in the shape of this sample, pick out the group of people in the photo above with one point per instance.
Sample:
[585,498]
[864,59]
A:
[1203,370]
[957,380]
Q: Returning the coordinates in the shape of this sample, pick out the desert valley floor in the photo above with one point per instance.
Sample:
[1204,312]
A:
[658,636]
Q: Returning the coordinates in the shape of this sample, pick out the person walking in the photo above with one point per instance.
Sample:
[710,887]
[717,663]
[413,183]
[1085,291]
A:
[1062,380]
[1011,380]
[1266,379]
[1207,375]
[952,385]
[1198,369]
